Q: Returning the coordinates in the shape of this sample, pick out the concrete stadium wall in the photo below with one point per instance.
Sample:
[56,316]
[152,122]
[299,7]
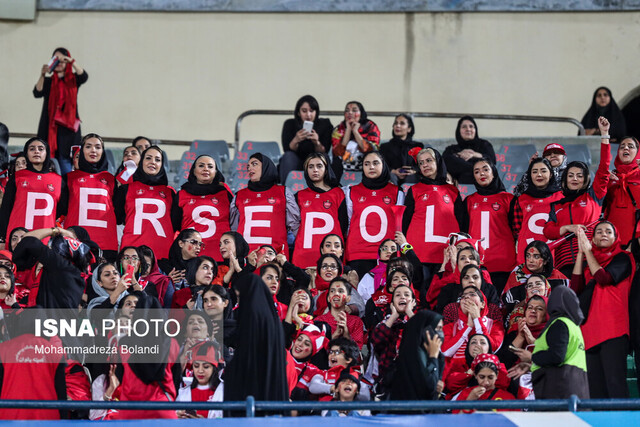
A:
[189,75]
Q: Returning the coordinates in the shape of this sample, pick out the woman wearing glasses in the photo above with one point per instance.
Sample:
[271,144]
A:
[203,204]
[185,247]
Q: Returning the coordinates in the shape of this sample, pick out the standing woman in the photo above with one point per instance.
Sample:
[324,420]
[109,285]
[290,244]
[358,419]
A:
[297,142]
[203,204]
[34,196]
[91,190]
[396,151]
[322,209]
[353,137]
[603,104]
[486,218]
[459,158]
[59,120]
[580,206]
[371,218]
[603,289]
[433,211]
[144,206]
[530,211]
[623,194]
[265,212]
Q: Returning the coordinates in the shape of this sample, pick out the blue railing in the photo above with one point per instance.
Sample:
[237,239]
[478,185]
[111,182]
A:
[250,406]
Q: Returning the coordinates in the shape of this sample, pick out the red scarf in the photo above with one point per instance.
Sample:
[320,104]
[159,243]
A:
[604,255]
[624,172]
[519,311]
[63,106]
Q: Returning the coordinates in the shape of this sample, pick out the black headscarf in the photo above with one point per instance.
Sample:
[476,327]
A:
[149,308]
[411,380]
[258,366]
[47,166]
[476,143]
[242,247]
[382,180]
[496,186]
[571,195]
[441,174]
[158,179]
[467,355]
[192,186]
[269,176]
[612,112]
[563,302]
[84,165]
[532,190]
[330,177]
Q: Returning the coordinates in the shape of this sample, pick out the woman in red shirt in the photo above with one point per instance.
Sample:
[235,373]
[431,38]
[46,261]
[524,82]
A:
[340,323]
[486,369]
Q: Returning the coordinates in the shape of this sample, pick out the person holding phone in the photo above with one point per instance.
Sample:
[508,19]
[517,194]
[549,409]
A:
[110,287]
[187,246]
[59,120]
[306,133]
[396,151]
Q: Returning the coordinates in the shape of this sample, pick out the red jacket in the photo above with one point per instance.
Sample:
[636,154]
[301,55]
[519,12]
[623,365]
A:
[584,210]
[621,207]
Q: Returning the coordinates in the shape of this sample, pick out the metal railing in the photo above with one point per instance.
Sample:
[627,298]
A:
[112,139]
[414,115]
[250,406]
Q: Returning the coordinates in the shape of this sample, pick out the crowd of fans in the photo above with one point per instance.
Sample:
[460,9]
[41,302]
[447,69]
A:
[356,293]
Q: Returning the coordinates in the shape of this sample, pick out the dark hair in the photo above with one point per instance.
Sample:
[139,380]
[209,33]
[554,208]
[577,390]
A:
[459,138]
[382,244]
[604,221]
[138,138]
[92,135]
[10,236]
[272,265]
[409,122]
[403,286]
[222,293]
[391,272]
[194,264]
[543,161]
[146,251]
[480,366]
[476,290]
[12,163]
[121,255]
[474,252]
[363,112]
[324,239]
[402,262]
[332,256]
[565,175]
[11,277]
[469,267]
[326,179]
[545,253]
[120,305]
[175,251]
[342,280]
[349,348]
[62,50]
[189,314]
[100,269]
[467,355]
[313,104]
[308,292]
[633,138]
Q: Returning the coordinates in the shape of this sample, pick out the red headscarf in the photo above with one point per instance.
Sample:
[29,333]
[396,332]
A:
[605,255]
[63,106]
[485,357]
[624,172]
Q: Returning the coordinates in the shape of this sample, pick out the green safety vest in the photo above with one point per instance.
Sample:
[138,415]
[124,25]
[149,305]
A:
[575,349]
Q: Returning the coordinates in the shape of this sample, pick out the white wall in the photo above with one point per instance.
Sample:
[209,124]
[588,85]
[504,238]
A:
[187,75]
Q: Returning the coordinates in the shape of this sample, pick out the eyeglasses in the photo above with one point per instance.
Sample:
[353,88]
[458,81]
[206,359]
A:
[335,352]
[130,258]
[329,267]
[195,243]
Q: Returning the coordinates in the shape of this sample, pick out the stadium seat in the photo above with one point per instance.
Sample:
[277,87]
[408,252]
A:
[405,187]
[238,175]
[514,158]
[111,160]
[295,181]
[466,190]
[270,149]
[184,167]
[351,178]
[578,152]
[218,149]
[511,179]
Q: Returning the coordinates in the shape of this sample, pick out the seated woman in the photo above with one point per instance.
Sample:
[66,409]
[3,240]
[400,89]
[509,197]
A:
[396,152]
[603,104]
[472,317]
[299,313]
[186,246]
[458,374]
[470,276]
[298,141]
[536,284]
[538,260]
[327,269]
[200,273]
[379,305]
[353,137]
[385,337]
[334,244]
[196,328]
[151,275]
[206,384]
[340,323]
[486,369]
[309,341]
[348,388]
[459,158]
[524,332]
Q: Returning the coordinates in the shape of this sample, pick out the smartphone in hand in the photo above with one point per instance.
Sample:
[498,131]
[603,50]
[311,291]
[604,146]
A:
[307,125]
